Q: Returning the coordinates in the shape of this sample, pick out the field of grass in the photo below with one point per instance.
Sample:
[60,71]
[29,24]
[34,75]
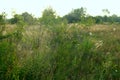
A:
[62,52]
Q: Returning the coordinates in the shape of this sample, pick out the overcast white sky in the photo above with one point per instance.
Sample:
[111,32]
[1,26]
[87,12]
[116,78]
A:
[62,7]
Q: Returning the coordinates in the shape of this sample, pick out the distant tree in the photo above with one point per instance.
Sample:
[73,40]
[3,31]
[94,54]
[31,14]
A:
[89,20]
[98,19]
[16,19]
[114,18]
[28,18]
[76,15]
[106,13]
[48,17]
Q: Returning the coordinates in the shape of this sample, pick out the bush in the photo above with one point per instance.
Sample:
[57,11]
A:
[71,57]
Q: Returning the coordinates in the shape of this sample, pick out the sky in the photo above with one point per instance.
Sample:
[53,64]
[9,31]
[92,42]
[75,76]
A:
[62,7]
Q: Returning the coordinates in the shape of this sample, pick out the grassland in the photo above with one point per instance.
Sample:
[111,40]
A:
[62,52]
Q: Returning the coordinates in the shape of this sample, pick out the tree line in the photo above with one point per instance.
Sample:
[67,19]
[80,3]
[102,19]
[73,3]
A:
[49,16]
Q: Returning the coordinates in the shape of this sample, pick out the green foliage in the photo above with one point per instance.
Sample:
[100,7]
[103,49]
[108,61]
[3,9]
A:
[1,24]
[48,17]
[1,20]
[71,56]
[56,50]
[8,58]
[19,21]
[76,15]
[25,17]
[98,20]
[28,18]
[8,61]
[17,18]
[79,16]
[88,21]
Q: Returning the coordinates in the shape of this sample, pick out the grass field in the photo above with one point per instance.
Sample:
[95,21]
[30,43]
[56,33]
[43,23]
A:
[62,52]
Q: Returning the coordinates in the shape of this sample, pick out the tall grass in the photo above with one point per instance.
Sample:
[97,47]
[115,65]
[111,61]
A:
[61,52]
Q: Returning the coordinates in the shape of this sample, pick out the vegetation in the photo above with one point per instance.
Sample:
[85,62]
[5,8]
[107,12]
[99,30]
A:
[73,47]
[75,15]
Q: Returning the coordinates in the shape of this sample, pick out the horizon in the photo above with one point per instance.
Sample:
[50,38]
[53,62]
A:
[35,7]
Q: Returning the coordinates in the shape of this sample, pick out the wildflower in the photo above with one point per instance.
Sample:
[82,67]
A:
[116,70]
[90,33]
[114,29]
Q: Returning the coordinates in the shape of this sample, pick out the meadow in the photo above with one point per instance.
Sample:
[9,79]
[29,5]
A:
[61,52]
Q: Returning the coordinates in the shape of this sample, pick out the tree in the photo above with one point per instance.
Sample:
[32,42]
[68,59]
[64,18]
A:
[19,21]
[114,18]
[89,20]
[48,17]
[106,13]
[16,19]
[76,15]
[98,19]
[28,18]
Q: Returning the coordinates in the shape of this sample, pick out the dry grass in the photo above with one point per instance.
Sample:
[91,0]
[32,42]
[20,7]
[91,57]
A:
[103,36]
[10,28]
